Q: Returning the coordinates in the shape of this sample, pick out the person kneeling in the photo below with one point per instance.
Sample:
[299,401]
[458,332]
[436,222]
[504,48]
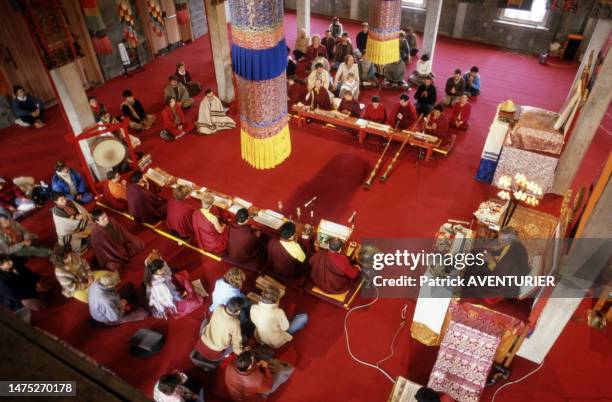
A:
[106,305]
[331,271]
[174,121]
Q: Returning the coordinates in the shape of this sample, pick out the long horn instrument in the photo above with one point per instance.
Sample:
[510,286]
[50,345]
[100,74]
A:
[368,183]
[383,178]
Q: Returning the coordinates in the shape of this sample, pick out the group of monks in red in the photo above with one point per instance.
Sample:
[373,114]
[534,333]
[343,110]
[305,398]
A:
[280,254]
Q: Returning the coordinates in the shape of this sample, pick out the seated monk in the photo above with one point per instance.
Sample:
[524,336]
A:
[286,259]
[437,124]
[295,93]
[115,190]
[211,116]
[349,105]
[113,245]
[375,111]
[179,216]
[143,204]
[319,97]
[245,244]
[174,121]
[403,114]
[209,232]
[331,270]
[73,223]
[460,116]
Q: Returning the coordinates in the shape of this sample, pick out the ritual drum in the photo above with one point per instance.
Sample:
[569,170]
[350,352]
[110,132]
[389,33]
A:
[108,151]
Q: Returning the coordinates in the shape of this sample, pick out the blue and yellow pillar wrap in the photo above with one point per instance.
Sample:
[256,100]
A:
[259,60]
[383,37]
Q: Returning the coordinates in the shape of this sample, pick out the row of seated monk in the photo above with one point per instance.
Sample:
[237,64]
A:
[237,241]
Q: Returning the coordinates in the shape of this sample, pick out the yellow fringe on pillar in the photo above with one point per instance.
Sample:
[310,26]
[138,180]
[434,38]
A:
[266,153]
[383,52]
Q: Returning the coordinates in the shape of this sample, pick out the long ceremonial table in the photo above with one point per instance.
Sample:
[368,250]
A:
[335,118]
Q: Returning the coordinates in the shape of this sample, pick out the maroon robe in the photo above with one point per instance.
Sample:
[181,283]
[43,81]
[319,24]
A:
[352,106]
[295,93]
[409,116]
[144,205]
[113,245]
[281,264]
[332,272]
[441,130]
[207,236]
[179,217]
[319,99]
[243,245]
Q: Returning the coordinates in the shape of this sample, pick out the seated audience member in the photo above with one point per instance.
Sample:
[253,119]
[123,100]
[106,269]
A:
[69,182]
[179,215]
[404,47]
[403,115]
[316,49]
[460,116]
[97,108]
[291,64]
[29,110]
[423,69]
[349,105]
[20,288]
[367,72]
[412,42]
[174,121]
[335,28]
[436,123]
[132,109]
[13,201]
[227,288]
[286,258]
[178,91]
[425,96]
[351,85]
[143,202]
[301,44]
[362,38]
[73,273]
[348,66]
[115,190]
[375,111]
[113,246]
[210,234]
[15,240]
[472,81]
[318,73]
[250,379]
[343,49]
[331,270]
[295,93]
[394,74]
[172,388]
[106,305]
[211,116]
[320,60]
[319,97]
[272,328]
[425,394]
[330,45]
[455,87]
[222,335]
[245,244]
[163,297]
[183,77]
[73,224]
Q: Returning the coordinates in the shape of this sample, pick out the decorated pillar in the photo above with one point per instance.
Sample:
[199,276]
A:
[383,38]
[259,59]
[96,27]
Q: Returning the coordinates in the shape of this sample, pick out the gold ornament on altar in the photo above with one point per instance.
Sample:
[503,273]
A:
[508,106]
[518,189]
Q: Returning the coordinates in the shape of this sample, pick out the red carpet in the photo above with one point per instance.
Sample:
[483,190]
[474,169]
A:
[418,197]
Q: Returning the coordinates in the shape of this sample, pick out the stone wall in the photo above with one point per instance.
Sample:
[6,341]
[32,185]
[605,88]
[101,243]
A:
[199,25]
[479,25]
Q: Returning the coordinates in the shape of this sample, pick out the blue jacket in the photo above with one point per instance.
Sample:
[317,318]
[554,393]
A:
[475,83]
[58,184]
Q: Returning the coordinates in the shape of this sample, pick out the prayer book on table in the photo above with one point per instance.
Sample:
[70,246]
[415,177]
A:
[361,122]
[158,176]
[183,182]
[270,219]
[239,203]
[378,126]
[328,229]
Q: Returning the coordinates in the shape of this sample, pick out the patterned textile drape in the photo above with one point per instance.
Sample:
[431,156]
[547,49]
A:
[124,10]
[515,4]
[182,12]
[96,27]
[383,38]
[564,6]
[155,15]
[259,60]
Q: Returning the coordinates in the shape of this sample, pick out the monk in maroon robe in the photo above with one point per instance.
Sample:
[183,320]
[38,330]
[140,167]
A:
[112,244]
[295,93]
[349,105]
[319,97]
[179,217]
[437,124]
[286,259]
[331,271]
[403,114]
[143,204]
[245,244]
[209,232]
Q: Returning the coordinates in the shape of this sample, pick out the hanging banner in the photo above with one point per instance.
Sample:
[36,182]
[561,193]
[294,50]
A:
[96,27]
[383,38]
[124,10]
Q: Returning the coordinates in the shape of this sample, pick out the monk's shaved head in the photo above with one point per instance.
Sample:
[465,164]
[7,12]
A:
[335,244]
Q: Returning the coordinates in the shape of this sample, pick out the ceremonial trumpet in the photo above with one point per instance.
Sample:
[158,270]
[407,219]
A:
[368,183]
[383,178]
